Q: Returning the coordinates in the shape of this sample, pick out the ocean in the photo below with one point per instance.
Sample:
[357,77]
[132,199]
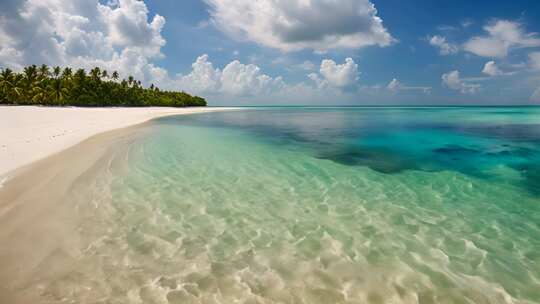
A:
[315,205]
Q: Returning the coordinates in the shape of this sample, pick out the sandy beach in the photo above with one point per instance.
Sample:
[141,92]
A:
[32,133]
[44,152]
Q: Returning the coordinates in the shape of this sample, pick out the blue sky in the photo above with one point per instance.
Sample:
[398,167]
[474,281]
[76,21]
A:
[274,52]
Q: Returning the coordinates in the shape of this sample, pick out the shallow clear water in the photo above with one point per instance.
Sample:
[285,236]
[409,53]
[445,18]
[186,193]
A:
[297,205]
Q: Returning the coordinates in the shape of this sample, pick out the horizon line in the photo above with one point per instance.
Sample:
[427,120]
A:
[377,106]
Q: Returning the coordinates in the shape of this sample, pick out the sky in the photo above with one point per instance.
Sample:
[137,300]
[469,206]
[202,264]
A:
[292,52]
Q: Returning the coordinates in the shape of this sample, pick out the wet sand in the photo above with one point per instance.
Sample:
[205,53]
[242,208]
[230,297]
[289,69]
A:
[39,218]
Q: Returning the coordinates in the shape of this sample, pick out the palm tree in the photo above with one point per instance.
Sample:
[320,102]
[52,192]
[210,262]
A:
[79,79]
[6,83]
[95,73]
[57,71]
[80,76]
[67,73]
[44,71]
[115,76]
[6,74]
[30,73]
[6,79]
[39,93]
[29,80]
[40,85]
[59,92]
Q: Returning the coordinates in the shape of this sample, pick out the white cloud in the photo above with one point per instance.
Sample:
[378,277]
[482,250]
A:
[534,60]
[453,81]
[82,33]
[11,58]
[236,79]
[246,83]
[242,79]
[487,47]
[204,78]
[248,80]
[491,69]
[445,48]
[395,86]
[503,35]
[319,82]
[339,75]
[299,24]
[128,27]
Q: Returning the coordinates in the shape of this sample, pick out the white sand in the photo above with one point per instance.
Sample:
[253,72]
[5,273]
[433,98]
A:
[28,134]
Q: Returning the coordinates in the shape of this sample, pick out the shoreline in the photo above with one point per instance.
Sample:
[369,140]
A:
[41,215]
[33,133]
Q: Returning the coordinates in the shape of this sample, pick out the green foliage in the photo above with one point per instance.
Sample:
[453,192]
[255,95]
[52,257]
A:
[97,88]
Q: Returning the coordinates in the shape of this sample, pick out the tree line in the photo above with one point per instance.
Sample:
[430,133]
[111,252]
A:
[97,88]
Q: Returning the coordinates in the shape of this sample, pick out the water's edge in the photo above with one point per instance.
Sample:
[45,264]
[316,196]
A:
[38,218]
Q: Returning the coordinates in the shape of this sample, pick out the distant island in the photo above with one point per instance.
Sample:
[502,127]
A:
[97,88]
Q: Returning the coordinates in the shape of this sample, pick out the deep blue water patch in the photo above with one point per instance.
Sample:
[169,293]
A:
[473,141]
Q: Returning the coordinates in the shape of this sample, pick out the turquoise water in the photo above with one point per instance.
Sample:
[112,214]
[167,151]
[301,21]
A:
[329,205]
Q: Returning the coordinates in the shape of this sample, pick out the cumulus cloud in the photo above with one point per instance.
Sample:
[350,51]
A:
[246,81]
[236,79]
[299,24]
[118,35]
[339,75]
[128,27]
[445,48]
[319,82]
[502,36]
[204,78]
[395,86]
[491,69]
[336,78]
[453,81]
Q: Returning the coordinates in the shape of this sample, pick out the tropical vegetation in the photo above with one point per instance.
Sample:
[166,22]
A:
[97,88]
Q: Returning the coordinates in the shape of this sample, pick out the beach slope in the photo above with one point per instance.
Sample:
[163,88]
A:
[31,133]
